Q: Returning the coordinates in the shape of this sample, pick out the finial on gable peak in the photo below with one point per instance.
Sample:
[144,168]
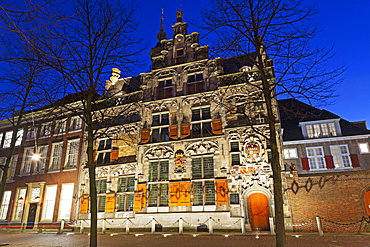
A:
[179,15]
[161,34]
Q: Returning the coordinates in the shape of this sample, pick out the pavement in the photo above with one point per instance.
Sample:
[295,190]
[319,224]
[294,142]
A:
[184,240]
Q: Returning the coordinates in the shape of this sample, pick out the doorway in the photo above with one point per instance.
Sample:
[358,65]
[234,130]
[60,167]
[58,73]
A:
[259,212]
[367,202]
[31,216]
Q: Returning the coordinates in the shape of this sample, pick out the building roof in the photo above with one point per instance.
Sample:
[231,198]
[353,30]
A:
[293,112]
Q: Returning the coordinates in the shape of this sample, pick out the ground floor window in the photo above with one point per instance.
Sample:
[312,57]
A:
[49,202]
[5,205]
[158,194]
[204,193]
[66,201]
[125,202]
[18,213]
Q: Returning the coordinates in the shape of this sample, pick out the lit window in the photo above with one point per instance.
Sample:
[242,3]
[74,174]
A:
[31,132]
[5,205]
[12,166]
[65,203]
[340,156]
[72,154]
[60,126]
[41,162]
[321,130]
[364,148]
[290,153]
[8,138]
[27,160]
[76,123]
[315,158]
[20,199]
[49,202]
[56,156]
[45,130]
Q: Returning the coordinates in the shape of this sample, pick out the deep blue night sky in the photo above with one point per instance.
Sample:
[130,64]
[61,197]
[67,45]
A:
[345,27]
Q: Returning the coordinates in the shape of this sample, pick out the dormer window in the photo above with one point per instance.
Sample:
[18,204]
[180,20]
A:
[325,128]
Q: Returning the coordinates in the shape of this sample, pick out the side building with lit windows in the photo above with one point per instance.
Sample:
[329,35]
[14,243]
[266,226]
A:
[327,163]
[186,149]
[41,190]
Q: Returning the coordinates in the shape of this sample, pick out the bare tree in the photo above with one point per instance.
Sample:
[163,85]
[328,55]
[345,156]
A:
[263,31]
[82,50]
[23,88]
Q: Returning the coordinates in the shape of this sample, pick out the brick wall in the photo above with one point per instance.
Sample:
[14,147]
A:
[337,198]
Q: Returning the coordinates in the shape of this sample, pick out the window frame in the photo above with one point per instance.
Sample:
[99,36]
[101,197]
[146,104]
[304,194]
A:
[60,126]
[103,153]
[364,144]
[316,157]
[74,154]
[341,159]
[56,156]
[75,124]
[202,168]
[49,202]
[66,201]
[288,153]
[204,121]
[201,195]
[5,203]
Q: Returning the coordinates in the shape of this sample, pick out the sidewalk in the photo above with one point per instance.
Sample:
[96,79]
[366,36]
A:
[185,240]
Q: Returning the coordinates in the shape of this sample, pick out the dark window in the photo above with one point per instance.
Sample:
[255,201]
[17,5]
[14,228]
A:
[158,171]
[202,167]
[234,198]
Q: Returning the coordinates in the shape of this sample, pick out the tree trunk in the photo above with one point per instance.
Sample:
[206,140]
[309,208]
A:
[91,166]
[275,161]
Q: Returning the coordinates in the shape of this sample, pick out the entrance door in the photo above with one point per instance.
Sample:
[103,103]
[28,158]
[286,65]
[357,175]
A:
[367,202]
[31,215]
[259,212]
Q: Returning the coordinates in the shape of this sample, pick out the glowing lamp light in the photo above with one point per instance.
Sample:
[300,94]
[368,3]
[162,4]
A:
[36,157]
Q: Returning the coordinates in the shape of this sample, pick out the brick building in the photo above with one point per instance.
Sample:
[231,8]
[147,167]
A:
[42,190]
[328,162]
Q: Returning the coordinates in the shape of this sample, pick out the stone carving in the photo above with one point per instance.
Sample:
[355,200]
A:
[162,106]
[159,152]
[202,147]
[204,98]
[123,169]
[102,172]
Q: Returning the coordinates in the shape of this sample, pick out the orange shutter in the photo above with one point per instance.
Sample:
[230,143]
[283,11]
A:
[145,135]
[185,193]
[217,127]
[94,156]
[185,130]
[84,207]
[222,192]
[110,201]
[137,201]
[114,155]
[142,188]
[175,194]
[173,132]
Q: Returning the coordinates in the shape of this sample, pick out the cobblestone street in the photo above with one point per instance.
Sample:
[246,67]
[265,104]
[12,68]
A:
[186,240]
